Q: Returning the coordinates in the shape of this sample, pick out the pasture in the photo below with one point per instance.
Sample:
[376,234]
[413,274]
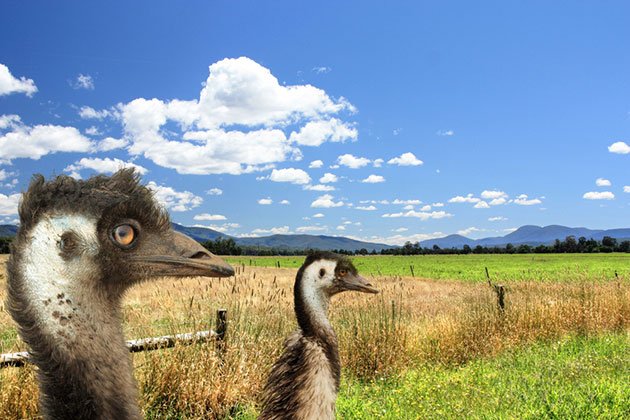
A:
[430,346]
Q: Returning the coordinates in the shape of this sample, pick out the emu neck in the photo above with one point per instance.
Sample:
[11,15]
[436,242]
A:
[76,341]
[311,309]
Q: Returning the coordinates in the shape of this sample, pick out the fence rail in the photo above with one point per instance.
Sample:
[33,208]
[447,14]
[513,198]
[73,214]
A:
[145,344]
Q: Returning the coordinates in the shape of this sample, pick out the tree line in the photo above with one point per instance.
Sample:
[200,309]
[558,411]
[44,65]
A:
[227,246]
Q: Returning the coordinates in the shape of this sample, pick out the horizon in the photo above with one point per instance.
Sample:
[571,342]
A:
[306,120]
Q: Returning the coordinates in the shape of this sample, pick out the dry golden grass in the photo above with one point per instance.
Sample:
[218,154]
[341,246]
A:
[413,321]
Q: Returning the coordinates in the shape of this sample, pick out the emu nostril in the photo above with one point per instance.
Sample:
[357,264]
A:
[200,255]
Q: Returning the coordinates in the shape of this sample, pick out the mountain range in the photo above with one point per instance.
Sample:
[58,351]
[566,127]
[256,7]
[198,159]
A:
[530,235]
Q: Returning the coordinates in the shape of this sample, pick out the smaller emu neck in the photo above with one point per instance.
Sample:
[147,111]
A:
[311,310]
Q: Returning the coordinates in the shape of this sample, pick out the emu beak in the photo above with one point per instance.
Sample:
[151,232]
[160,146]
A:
[183,257]
[357,283]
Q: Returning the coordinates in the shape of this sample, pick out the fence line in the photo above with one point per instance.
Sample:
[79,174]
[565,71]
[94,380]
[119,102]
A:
[145,344]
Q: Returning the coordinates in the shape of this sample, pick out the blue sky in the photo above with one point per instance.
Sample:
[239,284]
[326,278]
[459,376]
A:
[429,118]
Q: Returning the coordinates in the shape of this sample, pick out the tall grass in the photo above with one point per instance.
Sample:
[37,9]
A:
[412,323]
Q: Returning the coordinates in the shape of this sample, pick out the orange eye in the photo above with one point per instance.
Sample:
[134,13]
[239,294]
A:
[124,235]
[343,272]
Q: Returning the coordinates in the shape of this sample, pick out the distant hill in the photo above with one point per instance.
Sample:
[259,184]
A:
[199,234]
[8,230]
[311,241]
[529,235]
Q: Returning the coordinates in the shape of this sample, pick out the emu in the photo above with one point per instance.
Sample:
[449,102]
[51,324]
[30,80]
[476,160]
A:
[80,246]
[304,382]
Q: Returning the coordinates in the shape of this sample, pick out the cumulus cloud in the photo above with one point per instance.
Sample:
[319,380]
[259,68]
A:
[281,230]
[208,217]
[599,195]
[328,178]
[318,215]
[468,231]
[496,219]
[110,143]
[445,133]
[105,166]
[603,182]
[366,208]
[523,200]
[285,202]
[352,161]
[461,199]
[377,163]
[9,204]
[626,189]
[405,202]
[319,187]
[89,113]
[493,194]
[34,142]
[311,228]
[326,201]
[83,81]
[406,159]
[373,179]
[481,205]
[175,200]
[292,175]
[619,147]
[315,133]
[10,84]
[322,69]
[214,191]
[316,164]
[265,201]
[422,215]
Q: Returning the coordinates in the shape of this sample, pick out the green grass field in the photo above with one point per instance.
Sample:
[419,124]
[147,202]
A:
[515,267]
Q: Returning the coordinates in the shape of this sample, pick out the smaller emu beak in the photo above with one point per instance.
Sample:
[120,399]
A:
[357,283]
[184,257]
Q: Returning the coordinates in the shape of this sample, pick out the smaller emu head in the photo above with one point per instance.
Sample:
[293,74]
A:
[326,274]
[101,235]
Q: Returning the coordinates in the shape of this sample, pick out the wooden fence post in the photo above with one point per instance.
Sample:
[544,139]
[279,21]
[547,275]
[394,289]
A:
[499,289]
[411,268]
[221,329]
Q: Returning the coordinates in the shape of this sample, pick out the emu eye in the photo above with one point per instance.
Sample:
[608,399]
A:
[322,272]
[124,235]
[343,272]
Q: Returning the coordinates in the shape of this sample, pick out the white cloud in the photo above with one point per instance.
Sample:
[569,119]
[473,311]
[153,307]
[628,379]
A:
[10,84]
[318,215]
[292,175]
[214,191]
[314,133]
[110,143]
[445,133]
[319,187]
[265,201]
[328,178]
[92,131]
[316,164]
[493,194]
[105,166]
[523,200]
[400,239]
[498,201]
[285,202]
[468,231]
[410,207]
[4,174]
[426,208]
[209,217]
[626,189]
[438,204]
[599,195]
[619,147]
[311,229]
[401,229]
[352,161]
[366,208]
[602,182]
[377,163]
[322,69]
[9,121]
[422,215]
[406,202]
[89,113]
[40,140]
[468,199]
[281,230]
[481,205]
[326,201]
[341,227]
[373,179]
[9,204]
[83,81]
[497,219]
[175,200]
[406,159]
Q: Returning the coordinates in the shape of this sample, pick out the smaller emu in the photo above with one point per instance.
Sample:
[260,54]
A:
[304,382]
[80,246]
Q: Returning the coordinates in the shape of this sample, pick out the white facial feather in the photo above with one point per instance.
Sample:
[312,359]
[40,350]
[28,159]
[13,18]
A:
[313,286]
[51,280]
